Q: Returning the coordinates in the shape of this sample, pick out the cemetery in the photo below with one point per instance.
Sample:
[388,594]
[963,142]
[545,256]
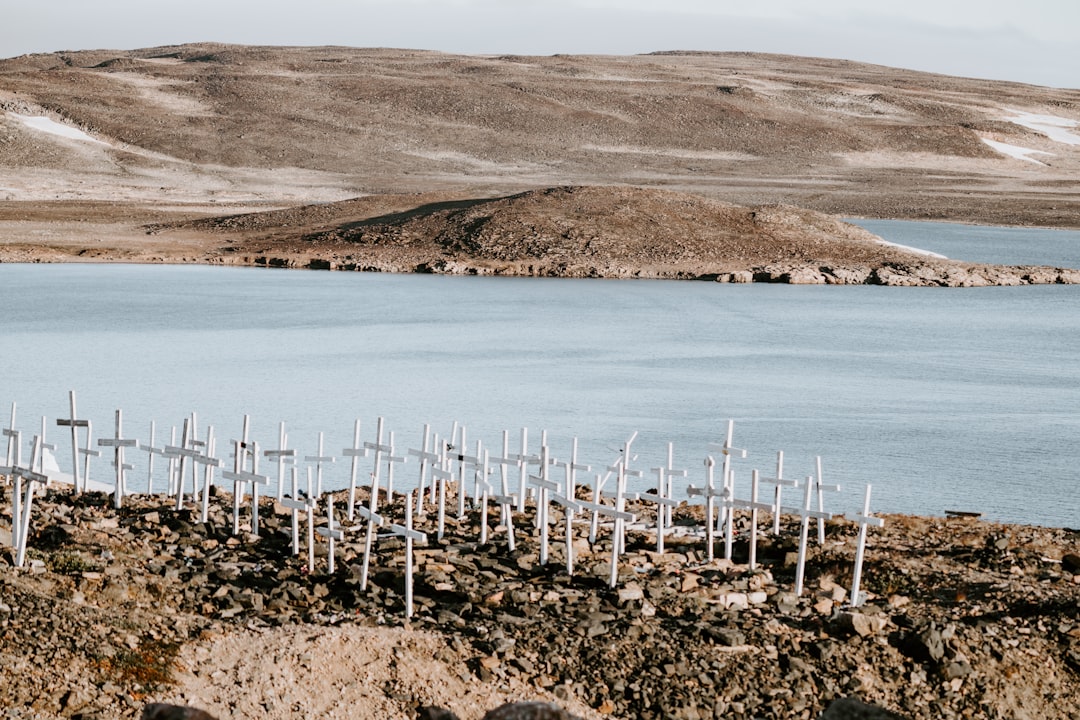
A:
[538,565]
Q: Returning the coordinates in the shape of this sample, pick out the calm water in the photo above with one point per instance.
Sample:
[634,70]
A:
[942,398]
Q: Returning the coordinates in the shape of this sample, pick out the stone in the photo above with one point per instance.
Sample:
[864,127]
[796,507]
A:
[163,711]
[851,708]
[529,711]
[854,623]
[1070,563]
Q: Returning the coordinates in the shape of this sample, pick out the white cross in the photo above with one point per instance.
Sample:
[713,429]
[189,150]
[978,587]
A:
[74,424]
[319,459]
[331,533]
[185,452]
[355,452]
[87,453]
[379,449]
[391,460]
[118,442]
[240,479]
[821,487]
[406,531]
[619,515]
[295,504]
[544,486]
[727,451]
[464,461]
[663,497]
[21,515]
[151,451]
[283,455]
[779,483]
[373,520]
[13,443]
[753,506]
[621,465]
[865,520]
[209,462]
[806,514]
[710,493]
[426,458]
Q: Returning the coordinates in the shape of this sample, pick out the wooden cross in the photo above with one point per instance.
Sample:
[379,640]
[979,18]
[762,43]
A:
[820,487]
[151,451]
[753,506]
[118,442]
[727,451]
[392,460]
[295,503]
[184,452]
[373,520]
[865,520]
[283,455]
[21,515]
[779,483]
[379,449]
[74,424]
[464,462]
[240,479]
[621,465]
[87,453]
[426,458]
[440,476]
[804,528]
[331,534]
[663,497]
[406,531]
[12,471]
[319,459]
[355,452]
[544,486]
[618,515]
[12,445]
[209,462]
[710,493]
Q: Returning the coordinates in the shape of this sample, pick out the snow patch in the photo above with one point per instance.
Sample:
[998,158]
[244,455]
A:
[1020,153]
[917,251]
[1054,127]
[50,126]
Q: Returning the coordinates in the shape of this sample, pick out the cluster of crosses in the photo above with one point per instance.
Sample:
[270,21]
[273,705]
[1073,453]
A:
[192,463]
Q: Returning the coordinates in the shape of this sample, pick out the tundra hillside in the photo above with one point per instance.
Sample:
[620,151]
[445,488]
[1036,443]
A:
[186,133]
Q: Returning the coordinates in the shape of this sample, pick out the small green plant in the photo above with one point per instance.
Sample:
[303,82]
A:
[144,669]
[70,563]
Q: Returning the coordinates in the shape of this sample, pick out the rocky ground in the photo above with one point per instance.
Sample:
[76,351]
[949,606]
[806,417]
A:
[116,609]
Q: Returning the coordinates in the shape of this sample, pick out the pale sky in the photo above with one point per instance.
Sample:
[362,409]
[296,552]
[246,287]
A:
[1031,41]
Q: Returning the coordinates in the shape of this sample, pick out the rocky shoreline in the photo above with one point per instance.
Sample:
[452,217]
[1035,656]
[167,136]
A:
[115,609]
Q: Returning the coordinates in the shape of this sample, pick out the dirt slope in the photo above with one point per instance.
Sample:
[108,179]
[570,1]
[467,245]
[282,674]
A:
[197,130]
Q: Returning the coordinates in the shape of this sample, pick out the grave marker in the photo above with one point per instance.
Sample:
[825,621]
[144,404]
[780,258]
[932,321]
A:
[118,442]
[22,518]
[425,457]
[73,423]
[209,462]
[865,520]
[319,459]
[779,483]
[406,531]
[331,534]
[379,449]
[283,455]
[295,504]
[355,452]
[820,487]
[87,453]
[753,506]
[151,451]
[12,445]
[663,498]
[806,514]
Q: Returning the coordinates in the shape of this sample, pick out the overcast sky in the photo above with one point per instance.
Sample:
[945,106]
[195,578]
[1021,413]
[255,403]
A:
[1031,41]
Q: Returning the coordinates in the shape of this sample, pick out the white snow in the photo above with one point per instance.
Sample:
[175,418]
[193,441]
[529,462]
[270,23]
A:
[917,251]
[1054,127]
[48,125]
[1020,153]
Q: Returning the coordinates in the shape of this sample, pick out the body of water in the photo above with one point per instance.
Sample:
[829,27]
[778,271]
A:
[963,399]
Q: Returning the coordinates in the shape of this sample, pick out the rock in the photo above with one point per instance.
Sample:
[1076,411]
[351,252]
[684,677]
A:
[855,623]
[850,708]
[434,713]
[529,711]
[162,711]
[1071,563]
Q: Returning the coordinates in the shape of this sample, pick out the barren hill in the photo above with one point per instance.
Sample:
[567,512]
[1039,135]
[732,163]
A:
[197,130]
